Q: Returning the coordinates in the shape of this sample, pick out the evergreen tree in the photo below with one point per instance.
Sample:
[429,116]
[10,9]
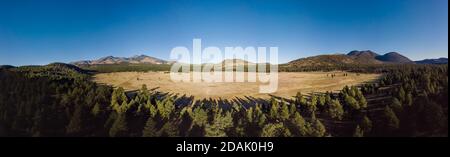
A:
[434,116]
[322,100]
[152,109]
[335,110]
[366,124]
[96,110]
[317,128]
[300,99]
[169,129]
[361,99]
[312,105]
[219,125]
[352,103]
[292,109]
[401,94]
[77,122]
[396,105]
[199,116]
[275,130]
[119,127]
[150,129]
[391,121]
[358,132]
[409,99]
[284,113]
[274,109]
[300,125]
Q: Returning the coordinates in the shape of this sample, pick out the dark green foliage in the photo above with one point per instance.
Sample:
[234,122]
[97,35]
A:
[120,126]
[299,125]
[150,129]
[317,128]
[351,102]
[358,132]
[128,67]
[220,124]
[392,123]
[366,125]
[60,100]
[397,105]
[275,130]
[334,109]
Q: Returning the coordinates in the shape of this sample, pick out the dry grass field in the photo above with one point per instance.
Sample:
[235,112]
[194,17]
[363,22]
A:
[289,83]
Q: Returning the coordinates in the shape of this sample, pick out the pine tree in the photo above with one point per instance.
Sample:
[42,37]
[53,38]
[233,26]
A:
[317,128]
[391,121]
[358,132]
[150,129]
[351,102]
[96,110]
[335,109]
[401,94]
[366,124]
[300,126]
[284,113]
[119,127]
[275,130]
[397,105]
[143,94]
[118,98]
[312,105]
[152,109]
[199,116]
[76,124]
[259,116]
[249,115]
[292,109]
[409,99]
[361,99]
[300,99]
[322,100]
[38,122]
[169,129]
[165,108]
[219,125]
[434,116]
[274,109]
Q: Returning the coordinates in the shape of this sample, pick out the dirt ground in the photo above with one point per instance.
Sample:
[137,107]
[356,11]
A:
[289,83]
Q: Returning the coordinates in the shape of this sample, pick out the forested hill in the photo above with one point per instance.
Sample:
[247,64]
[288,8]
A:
[53,71]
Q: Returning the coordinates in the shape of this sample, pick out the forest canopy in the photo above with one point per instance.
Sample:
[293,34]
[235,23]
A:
[61,100]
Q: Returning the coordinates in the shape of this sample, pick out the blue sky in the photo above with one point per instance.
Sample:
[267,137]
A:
[44,31]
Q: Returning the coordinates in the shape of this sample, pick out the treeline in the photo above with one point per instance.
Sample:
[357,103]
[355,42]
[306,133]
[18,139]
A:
[357,68]
[419,101]
[36,102]
[108,68]
[44,104]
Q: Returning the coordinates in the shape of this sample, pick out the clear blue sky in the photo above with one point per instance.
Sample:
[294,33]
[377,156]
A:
[44,31]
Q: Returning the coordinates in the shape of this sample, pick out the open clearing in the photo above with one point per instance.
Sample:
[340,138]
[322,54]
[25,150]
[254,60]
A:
[289,83]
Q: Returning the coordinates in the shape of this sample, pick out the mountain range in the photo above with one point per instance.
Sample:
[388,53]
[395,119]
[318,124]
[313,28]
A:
[138,59]
[433,61]
[353,57]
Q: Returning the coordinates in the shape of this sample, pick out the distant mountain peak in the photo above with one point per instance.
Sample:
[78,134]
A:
[366,56]
[353,57]
[363,53]
[140,56]
[394,57]
[441,60]
[137,59]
